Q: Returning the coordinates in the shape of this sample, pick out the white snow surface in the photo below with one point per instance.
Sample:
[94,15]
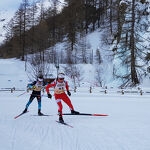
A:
[126,128]
[12,74]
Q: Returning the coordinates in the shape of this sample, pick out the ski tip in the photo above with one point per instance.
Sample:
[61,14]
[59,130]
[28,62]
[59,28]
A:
[99,115]
[85,114]
[20,115]
[17,116]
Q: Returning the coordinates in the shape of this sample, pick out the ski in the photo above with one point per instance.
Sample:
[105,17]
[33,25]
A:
[66,124]
[41,115]
[85,114]
[20,115]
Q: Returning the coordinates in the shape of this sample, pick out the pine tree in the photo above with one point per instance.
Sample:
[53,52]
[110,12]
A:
[33,21]
[130,50]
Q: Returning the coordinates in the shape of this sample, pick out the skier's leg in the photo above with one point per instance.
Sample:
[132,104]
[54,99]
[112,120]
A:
[28,104]
[39,102]
[60,110]
[67,100]
[39,105]
[60,107]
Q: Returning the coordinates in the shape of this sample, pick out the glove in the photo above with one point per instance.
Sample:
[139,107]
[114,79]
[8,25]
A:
[29,86]
[69,93]
[49,96]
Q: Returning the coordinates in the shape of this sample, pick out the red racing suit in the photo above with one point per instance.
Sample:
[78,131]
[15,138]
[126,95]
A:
[59,93]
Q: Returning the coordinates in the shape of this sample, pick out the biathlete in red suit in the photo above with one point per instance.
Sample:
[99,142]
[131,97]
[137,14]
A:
[59,92]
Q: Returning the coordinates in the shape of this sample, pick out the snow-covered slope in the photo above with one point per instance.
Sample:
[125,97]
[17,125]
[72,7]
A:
[12,71]
[12,74]
[5,17]
[126,128]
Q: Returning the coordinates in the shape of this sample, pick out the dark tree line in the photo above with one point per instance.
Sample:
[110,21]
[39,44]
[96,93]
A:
[30,31]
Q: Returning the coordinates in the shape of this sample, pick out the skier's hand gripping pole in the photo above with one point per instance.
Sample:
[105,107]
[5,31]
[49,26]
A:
[49,96]
[68,92]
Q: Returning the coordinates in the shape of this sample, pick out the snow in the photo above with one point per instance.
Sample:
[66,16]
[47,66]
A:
[94,39]
[126,128]
[12,74]
[5,17]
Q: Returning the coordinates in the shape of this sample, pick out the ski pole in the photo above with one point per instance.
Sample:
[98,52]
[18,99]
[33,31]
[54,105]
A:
[21,94]
[43,92]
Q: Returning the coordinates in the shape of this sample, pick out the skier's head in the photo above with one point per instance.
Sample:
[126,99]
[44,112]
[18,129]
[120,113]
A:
[40,78]
[61,77]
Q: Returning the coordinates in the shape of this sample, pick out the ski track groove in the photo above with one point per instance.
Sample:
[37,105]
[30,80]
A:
[53,133]
[93,144]
[44,136]
[13,138]
[57,134]
[40,132]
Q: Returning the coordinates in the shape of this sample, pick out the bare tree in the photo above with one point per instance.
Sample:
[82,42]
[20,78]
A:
[98,56]
[75,73]
[98,75]
[36,67]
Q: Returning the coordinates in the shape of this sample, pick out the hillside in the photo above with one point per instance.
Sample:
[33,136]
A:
[12,74]
[83,35]
[16,76]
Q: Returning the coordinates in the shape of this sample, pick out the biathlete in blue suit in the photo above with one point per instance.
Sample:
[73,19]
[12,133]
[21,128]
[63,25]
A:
[36,86]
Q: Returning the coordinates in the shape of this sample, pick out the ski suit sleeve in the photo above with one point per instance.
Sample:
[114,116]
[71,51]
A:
[44,83]
[31,84]
[67,86]
[49,86]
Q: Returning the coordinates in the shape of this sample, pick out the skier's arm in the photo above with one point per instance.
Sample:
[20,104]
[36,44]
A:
[49,86]
[31,84]
[47,89]
[44,83]
[67,88]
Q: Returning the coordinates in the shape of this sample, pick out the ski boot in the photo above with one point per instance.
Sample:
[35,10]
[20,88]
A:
[61,120]
[39,113]
[74,112]
[25,110]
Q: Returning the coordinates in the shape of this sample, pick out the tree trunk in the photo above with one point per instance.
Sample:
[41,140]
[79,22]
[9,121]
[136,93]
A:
[110,16]
[132,46]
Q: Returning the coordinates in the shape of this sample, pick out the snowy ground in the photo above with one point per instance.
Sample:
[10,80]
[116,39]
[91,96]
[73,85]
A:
[126,128]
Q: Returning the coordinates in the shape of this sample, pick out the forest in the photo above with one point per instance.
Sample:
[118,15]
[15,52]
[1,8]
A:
[35,30]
